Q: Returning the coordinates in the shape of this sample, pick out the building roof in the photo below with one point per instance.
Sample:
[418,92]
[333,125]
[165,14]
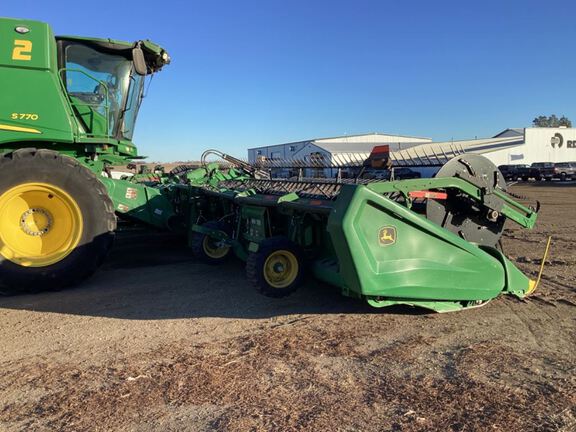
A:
[371,134]
[327,142]
[510,132]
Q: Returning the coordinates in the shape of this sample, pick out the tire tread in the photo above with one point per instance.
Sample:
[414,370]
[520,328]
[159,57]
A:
[102,247]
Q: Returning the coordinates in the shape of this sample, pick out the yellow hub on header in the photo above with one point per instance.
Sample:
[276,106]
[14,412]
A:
[281,269]
[40,224]
[213,249]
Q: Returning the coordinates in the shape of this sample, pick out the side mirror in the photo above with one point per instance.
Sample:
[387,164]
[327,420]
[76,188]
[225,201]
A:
[139,61]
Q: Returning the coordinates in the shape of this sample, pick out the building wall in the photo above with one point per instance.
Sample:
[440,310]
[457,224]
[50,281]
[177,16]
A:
[303,148]
[540,145]
[279,151]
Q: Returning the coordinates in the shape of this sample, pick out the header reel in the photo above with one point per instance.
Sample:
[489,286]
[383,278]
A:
[477,221]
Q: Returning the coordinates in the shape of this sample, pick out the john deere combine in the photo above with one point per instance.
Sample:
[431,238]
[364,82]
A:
[67,114]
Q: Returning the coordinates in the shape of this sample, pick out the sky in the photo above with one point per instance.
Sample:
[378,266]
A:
[253,73]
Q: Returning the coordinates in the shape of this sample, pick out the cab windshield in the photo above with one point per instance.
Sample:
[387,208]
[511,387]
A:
[103,89]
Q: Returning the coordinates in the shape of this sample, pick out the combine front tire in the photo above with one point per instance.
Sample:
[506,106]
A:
[277,269]
[56,221]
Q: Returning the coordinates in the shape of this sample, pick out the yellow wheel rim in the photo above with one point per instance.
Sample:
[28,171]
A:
[40,224]
[281,269]
[213,249]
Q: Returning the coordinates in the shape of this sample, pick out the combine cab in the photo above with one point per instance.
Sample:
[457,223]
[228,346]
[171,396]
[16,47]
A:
[67,115]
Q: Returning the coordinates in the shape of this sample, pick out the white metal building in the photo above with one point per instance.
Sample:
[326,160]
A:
[538,145]
[511,146]
[331,150]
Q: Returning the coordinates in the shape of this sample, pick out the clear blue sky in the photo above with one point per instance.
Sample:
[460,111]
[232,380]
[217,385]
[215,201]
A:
[250,73]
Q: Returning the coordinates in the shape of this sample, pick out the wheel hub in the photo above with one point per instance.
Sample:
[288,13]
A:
[215,248]
[281,269]
[40,224]
[36,221]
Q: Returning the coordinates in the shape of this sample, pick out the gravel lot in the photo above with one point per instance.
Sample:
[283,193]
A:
[158,342]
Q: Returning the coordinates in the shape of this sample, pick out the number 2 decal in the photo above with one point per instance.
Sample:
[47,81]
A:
[22,50]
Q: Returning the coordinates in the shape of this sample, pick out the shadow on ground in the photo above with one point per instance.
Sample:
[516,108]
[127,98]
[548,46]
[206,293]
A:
[151,276]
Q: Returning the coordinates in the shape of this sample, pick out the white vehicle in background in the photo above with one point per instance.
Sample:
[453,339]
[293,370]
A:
[565,171]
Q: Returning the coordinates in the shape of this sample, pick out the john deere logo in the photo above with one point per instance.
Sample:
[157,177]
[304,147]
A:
[557,140]
[387,236]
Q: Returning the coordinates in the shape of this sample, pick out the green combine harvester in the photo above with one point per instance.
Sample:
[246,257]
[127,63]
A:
[67,116]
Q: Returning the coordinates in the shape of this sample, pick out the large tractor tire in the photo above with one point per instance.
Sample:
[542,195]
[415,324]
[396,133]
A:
[57,221]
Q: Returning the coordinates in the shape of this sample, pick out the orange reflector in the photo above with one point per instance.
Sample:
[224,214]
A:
[380,149]
[428,194]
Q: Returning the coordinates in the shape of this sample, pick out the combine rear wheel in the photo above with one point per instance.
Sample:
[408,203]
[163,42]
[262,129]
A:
[209,249]
[56,221]
[276,270]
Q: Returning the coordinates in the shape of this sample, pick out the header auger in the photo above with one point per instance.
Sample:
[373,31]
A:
[67,115]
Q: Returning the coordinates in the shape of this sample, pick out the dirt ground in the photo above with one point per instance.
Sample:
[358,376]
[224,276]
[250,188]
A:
[158,342]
